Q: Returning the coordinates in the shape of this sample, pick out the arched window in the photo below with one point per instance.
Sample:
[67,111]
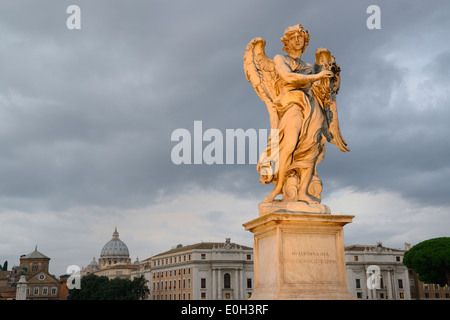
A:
[226,281]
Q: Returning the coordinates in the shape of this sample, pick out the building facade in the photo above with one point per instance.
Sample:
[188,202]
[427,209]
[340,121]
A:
[207,270]
[375,272]
[41,284]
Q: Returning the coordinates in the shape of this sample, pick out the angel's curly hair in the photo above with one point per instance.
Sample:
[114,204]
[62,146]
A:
[290,31]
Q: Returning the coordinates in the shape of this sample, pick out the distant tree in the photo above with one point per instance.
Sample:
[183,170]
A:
[101,288]
[5,266]
[430,259]
[92,288]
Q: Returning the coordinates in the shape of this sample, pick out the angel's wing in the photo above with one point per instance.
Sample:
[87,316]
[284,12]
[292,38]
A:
[326,90]
[260,71]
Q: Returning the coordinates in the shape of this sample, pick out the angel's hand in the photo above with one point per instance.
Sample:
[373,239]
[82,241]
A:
[325,74]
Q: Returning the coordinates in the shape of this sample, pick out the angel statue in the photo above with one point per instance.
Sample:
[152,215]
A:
[301,100]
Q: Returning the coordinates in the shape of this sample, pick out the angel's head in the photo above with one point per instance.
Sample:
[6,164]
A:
[295,38]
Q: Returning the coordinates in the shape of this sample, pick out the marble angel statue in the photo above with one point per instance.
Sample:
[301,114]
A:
[301,101]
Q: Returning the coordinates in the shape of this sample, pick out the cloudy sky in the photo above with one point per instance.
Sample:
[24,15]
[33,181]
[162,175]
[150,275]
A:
[86,118]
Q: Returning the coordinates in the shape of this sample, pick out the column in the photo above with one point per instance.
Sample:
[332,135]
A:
[236,284]
[219,284]
[243,285]
[390,292]
[214,284]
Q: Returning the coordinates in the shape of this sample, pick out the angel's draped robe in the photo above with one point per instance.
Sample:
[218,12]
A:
[296,106]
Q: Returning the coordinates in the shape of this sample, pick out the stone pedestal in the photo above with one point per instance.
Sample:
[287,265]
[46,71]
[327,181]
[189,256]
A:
[21,289]
[299,256]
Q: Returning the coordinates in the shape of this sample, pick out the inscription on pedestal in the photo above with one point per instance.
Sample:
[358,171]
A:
[309,258]
[313,257]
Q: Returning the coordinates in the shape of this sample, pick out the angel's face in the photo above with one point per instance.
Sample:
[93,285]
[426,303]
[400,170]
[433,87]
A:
[296,42]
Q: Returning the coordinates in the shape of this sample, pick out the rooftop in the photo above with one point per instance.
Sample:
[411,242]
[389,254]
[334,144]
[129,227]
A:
[372,247]
[204,245]
[35,255]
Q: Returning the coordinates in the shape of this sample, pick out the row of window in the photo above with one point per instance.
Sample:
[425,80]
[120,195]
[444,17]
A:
[381,295]
[226,282]
[427,286]
[437,295]
[35,267]
[44,291]
[172,284]
[183,296]
[203,256]
[379,282]
[397,258]
[172,296]
[169,284]
[163,261]
[170,273]
[180,258]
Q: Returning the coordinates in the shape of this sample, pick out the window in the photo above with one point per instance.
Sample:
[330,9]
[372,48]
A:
[402,296]
[227,296]
[203,295]
[358,283]
[45,290]
[36,291]
[249,283]
[359,295]
[227,281]
[397,259]
[203,283]
[355,258]
[436,295]
[34,267]
[203,256]
[249,257]
[400,283]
